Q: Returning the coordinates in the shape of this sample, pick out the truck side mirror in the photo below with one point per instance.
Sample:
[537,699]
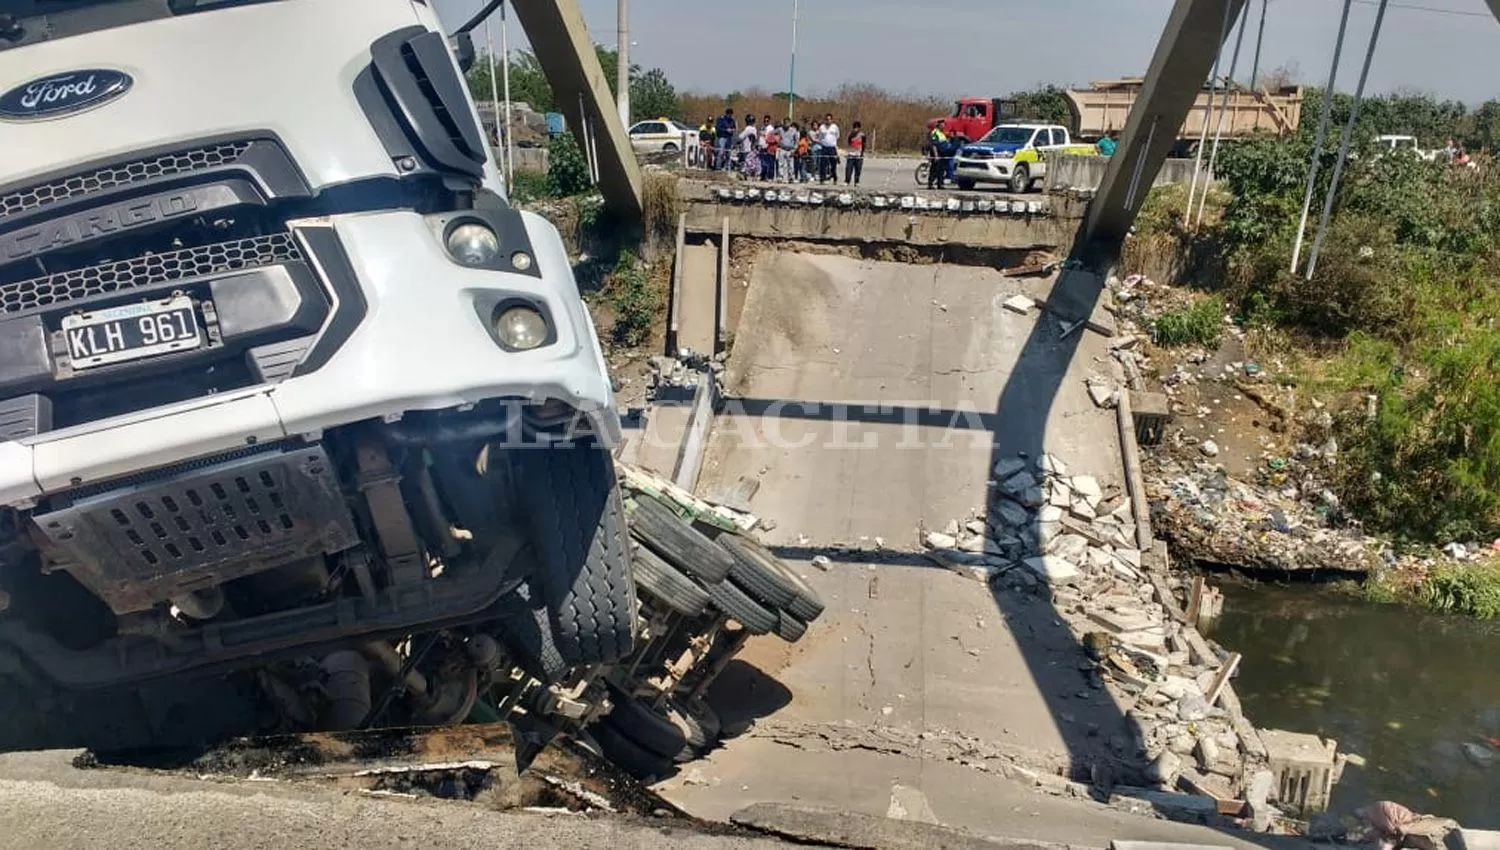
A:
[462,46]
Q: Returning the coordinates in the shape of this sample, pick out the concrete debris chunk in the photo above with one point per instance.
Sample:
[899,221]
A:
[951,529]
[1087,486]
[1192,707]
[1019,304]
[1031,497]
[1007,466]
[1018,483]
[976,526]
[1050,465]
[1049,513]
[1070,547]
[1209,448]
[1012,514]
[938,540]
[1082,510]
[1052,569]
[1103,395]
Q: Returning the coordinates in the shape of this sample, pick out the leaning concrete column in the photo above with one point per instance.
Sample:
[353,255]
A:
[1182,62]
[561,40]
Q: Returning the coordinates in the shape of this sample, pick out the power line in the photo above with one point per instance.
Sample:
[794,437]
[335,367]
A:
[1436,10]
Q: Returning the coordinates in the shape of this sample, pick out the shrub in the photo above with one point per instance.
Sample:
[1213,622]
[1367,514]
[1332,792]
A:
[1200,323]
[1472,590]
[636,303]
[567,169]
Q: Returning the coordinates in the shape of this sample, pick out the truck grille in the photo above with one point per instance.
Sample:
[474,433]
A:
[202,526]
[147,270]
[120,174]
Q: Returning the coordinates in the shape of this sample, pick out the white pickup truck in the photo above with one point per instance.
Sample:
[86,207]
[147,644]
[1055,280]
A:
[1014,154]
[1387,144]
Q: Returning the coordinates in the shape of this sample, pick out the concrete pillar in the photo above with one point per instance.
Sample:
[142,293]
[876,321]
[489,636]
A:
[1181,64]
[562,44]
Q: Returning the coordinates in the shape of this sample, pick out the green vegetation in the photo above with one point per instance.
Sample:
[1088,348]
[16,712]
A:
[1403,306]
[1200,323]
[651,93]
[1472,590]
[567,169]
[635,301]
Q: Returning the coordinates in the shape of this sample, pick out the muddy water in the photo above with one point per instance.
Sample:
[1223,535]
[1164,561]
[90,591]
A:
[1405,689]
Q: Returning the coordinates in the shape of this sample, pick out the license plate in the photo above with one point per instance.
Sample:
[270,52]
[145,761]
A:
[131,332]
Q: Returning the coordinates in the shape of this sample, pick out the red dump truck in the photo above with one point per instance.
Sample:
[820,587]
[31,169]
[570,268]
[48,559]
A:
[1105,106]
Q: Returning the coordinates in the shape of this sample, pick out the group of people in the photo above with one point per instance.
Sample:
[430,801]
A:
[783,151]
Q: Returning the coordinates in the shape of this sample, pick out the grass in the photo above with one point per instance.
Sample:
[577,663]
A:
[635,302]
[1200,323]
[1461,589]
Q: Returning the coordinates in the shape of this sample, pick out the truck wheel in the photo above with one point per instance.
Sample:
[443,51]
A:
[754,572]
[965,183]
[800,599]
[1020,180]
[789,628]
[677,542]
[530,638]
[627,755]
[728,597]
[662,581]
[702,723]
[654,732]
[572,505]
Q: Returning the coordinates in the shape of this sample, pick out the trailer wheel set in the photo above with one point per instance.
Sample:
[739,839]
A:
[704,587]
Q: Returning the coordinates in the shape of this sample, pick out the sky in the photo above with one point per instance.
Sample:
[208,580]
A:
[1450,48]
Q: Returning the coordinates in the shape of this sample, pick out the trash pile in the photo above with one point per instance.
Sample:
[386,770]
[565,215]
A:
[1210,516]
[1188,752]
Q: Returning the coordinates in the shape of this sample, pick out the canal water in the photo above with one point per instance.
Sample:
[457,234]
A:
[1406,689]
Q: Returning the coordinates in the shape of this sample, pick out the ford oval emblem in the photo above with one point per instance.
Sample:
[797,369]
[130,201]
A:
[63,94]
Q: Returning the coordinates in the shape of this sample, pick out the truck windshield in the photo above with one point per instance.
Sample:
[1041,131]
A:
[24,22]
[1009,135]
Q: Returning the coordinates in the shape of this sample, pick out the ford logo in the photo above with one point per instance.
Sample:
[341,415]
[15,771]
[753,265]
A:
[63,94]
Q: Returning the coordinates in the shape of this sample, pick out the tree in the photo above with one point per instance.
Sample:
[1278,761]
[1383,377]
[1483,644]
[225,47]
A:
[652,96]
[651,93]
[1048,104]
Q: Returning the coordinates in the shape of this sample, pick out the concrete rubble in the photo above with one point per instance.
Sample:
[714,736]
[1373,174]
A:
[1065,537]
[678,376]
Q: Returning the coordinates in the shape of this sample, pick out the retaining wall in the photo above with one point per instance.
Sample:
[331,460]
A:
[1087,172]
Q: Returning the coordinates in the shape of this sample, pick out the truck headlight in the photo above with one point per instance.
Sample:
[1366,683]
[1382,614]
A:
[521,328]
[473,244]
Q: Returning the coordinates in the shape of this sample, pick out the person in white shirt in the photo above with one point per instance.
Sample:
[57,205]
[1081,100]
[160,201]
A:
[828,138]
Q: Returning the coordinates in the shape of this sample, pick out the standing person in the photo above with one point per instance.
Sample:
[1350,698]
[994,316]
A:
[790,138]
[937,166]
[1107,144]
[854,163]
[706,143]
[830,150]
[768,144]
[724,129]
[802,154]
[749,143]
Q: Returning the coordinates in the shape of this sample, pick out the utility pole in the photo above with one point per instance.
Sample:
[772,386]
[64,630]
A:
[791,88]
[1255,67]
[622,78]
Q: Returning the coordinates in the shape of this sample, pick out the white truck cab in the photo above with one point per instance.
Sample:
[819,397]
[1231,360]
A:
[1014,154]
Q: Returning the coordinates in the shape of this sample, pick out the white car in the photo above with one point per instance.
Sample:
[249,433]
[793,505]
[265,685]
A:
[1014,155]
[662,134]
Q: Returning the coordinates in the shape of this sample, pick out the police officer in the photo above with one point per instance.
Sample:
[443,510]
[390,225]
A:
[937,149]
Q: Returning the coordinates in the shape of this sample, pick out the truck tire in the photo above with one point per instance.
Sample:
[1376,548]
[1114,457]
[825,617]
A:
[801,600]
[572,506]
[754,571]
[677,542]
[738,604]
[703,726]
[667,585]
[627,755]
[789,628]
[1020,180]
[654,732]
[530,639]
